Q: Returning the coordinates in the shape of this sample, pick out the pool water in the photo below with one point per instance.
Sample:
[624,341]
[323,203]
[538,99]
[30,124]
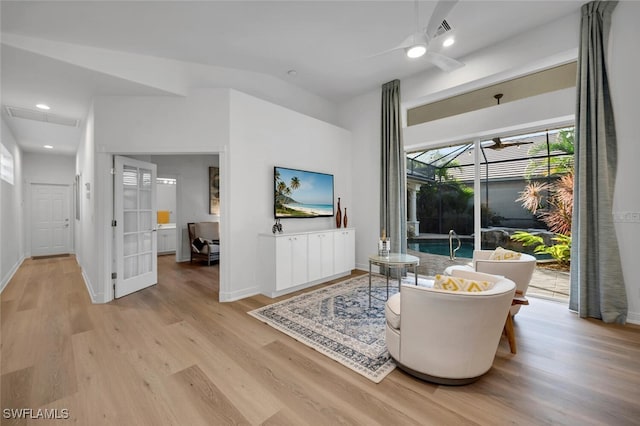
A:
[442,248]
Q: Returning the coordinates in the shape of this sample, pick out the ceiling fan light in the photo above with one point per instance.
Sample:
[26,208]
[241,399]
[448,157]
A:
[448,42]
[416,51]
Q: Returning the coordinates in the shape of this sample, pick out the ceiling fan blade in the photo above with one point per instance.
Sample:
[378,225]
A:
[443,62]
[407,42]
[440,12]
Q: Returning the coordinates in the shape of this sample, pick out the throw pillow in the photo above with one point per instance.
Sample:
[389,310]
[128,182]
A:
[504,254]
[446,282]
[198,243]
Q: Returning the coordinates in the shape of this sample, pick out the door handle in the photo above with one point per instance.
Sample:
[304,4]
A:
[66,225]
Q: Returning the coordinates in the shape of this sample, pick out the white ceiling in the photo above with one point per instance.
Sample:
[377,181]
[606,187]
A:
[328,43]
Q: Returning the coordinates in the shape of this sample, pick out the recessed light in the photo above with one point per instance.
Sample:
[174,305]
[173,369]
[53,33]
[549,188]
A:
[43,106]
[48,146]
[448,42]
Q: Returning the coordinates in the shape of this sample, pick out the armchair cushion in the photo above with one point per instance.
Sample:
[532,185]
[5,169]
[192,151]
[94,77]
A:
[456,283]
[392,311]
[503,254]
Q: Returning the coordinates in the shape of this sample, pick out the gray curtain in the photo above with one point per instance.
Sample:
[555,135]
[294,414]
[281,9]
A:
[392,170]
[597,285]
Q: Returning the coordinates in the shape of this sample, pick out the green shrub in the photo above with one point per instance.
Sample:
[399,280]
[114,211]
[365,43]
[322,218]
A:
[561,251]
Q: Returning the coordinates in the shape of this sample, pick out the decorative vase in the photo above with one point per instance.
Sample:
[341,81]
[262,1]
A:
[344,219]
[277,227]
[338,215]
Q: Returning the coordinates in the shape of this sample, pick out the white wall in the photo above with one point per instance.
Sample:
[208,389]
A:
[540,112]
[623,65]
[362,116]
[87,237]
[198,123]
[264,135]
[11,222]
[49,168]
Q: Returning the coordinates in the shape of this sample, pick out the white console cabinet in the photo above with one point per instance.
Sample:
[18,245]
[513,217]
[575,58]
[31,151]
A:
[166,240]
[290,262]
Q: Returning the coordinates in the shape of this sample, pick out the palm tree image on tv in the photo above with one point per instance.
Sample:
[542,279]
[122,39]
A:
[300,193]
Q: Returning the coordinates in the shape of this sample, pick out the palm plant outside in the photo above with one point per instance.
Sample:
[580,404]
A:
[551,201]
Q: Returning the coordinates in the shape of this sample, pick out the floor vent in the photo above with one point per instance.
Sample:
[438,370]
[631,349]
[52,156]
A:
[45,117]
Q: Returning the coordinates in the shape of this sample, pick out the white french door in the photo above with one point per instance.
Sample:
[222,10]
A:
[50,220]
[136,223]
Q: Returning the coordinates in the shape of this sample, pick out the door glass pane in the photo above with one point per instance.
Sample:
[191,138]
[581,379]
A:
[130,244]
[130,201]
[145,199]
[145,179]
[145,241]
[129,177]
[145,220]
[130,267]
[145,263]
[130,222]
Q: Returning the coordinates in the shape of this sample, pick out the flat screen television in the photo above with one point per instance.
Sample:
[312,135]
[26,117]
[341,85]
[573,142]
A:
[302,193]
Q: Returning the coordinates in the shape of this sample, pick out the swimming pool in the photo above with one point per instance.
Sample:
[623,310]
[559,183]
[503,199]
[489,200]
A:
[441,247]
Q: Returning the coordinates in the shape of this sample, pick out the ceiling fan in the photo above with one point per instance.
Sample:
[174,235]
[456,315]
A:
[498,144]
[418,43]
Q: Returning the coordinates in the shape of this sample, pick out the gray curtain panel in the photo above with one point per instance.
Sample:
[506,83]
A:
[393,213]
[597,285]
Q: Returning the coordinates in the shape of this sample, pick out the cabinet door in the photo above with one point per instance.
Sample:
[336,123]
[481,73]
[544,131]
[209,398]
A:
[170,240]
[344,251]
[166,240]
[299,260]
[320,255]
[284,260]
[327,257]
[291,267]
[162,237]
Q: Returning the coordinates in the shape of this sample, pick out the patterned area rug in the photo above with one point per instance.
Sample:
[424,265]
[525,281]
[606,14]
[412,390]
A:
[338,322]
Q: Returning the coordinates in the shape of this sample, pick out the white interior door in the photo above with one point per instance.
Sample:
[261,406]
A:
[50,220]
[136,224]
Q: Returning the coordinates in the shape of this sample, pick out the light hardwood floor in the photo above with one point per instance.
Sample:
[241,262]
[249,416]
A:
[173,355]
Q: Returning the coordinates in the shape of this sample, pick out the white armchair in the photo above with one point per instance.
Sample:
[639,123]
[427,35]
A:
[519,271]
[447,337]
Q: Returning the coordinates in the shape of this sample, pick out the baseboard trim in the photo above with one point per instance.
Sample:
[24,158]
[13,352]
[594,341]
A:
[633,318]
[237,295]
[11,273]
[87,282]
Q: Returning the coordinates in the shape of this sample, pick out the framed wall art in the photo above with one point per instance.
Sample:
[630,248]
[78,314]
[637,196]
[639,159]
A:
[214,191]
